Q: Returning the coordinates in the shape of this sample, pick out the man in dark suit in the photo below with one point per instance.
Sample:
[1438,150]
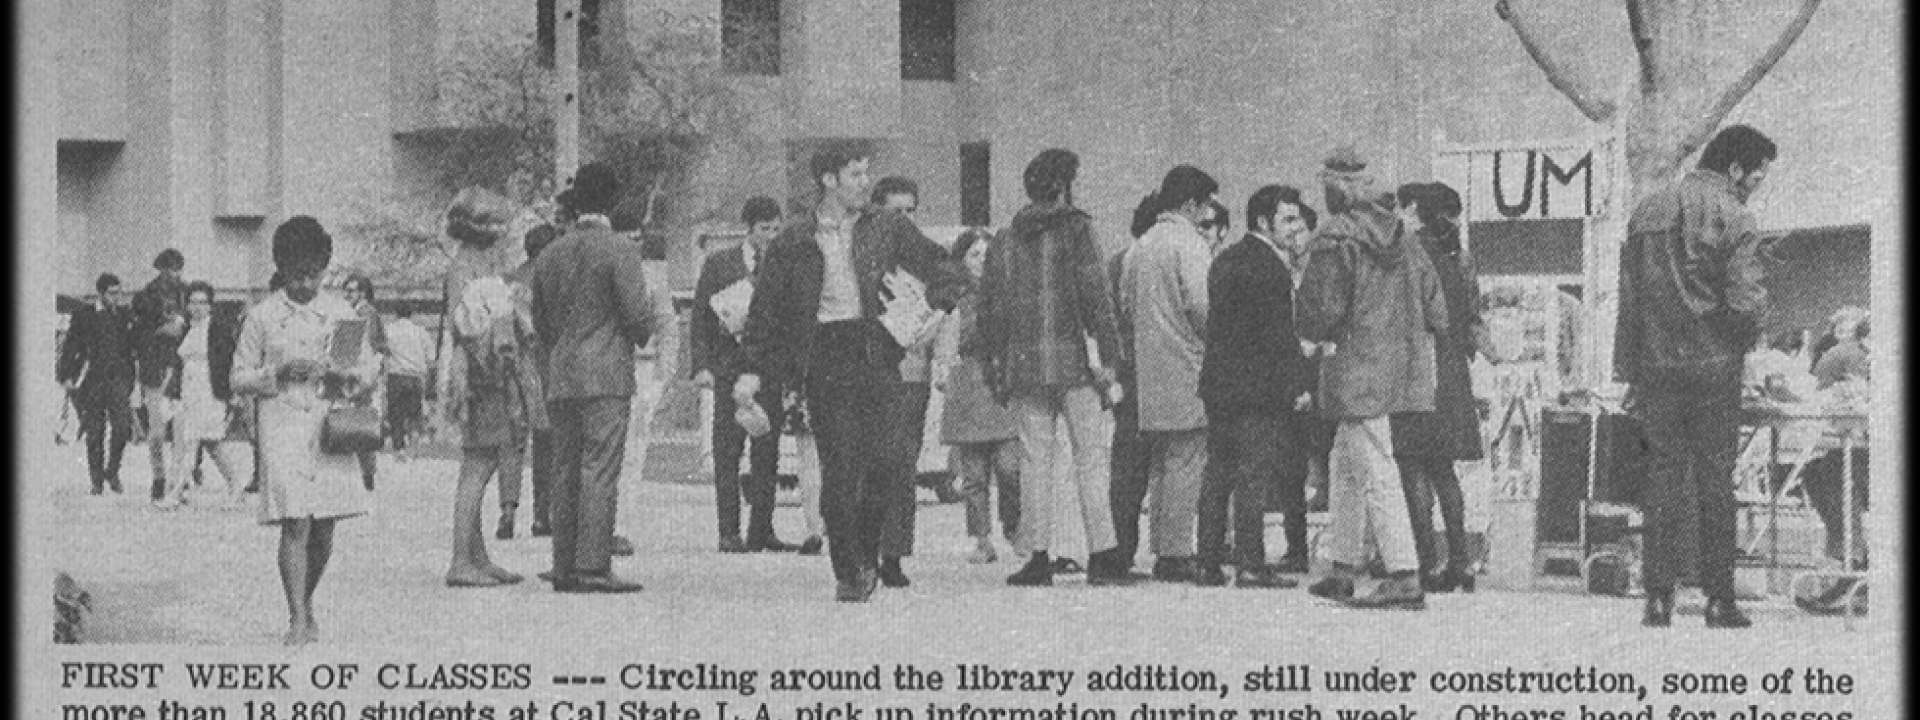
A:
[815,320]
[1254,383]
[591,309]
[97,367]
[717,360]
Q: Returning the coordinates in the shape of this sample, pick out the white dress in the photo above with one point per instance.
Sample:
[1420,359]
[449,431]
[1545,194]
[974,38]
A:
[200,415]
[297,479]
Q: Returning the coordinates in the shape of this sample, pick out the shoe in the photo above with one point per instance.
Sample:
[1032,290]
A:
[546,576]
[859,589]
[1659,609]
[472,581]
[811,545]
[1291,564]
[1209,575]
[983,552]
[506,527]
[622,547]
[733,546]
[1332,587]
[891,575]
[770,544]
[117,489]
[1725,614]
[1038,572]
[540,529]
[1173,569]
[1400,592]
[1263,577]
[1439,582]
[1106,568]
[1461,579]
[98,490]
[1067,566]
[602,583]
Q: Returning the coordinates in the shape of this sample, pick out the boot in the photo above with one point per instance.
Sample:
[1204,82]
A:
[1037,573]
[1400,591]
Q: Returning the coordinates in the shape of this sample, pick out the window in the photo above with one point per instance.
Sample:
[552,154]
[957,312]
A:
[927,39]
[976,198]
[750,36]
[544,30]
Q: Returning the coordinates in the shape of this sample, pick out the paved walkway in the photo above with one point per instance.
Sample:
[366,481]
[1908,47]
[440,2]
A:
[206,576]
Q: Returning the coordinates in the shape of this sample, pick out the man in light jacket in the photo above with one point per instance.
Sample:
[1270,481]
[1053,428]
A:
[1164,293]
[1370,291]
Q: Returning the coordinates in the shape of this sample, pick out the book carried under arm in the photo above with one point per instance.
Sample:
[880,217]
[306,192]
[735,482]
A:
[731,304]
[907,314]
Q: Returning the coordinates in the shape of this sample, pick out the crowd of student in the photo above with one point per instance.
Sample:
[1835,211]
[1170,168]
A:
[1198,379]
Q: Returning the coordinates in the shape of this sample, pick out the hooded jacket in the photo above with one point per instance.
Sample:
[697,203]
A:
[1043,294]
[1371,290]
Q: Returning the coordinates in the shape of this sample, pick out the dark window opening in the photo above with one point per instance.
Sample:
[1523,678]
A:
[750,36]
[927,31]
[545,32]
[976,186]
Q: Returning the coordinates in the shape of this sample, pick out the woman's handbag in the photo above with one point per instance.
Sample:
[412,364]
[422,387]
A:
[350,429]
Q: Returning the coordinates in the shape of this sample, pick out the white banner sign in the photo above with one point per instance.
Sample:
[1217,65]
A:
[1536,184]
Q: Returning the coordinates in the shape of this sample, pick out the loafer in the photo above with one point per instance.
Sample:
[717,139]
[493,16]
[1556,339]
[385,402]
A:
[811,545]
[1401,592]
[596,584]
[1038,572]
[1332,587]
[1291,564]
[770,544]
[1173,569]
[1725,614]
[1265,577]
[1209,575]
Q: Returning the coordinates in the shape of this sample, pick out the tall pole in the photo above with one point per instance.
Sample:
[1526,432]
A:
[566,60]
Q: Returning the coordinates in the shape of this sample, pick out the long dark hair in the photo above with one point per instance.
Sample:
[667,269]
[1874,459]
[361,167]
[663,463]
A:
[1439,210]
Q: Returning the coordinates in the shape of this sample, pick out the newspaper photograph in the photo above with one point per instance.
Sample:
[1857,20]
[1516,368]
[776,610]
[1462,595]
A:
[959,360]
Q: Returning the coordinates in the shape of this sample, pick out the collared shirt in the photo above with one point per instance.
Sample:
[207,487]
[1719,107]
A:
[839,284]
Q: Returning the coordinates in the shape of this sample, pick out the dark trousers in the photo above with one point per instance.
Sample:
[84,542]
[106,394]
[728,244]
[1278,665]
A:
[1248,454]
[543,466]
[404,394]
[1127,489]
[908,424]
[729,442]
[850,401]
[1824,481]
[1427,478]
[590,441]
[1693,437]
[99,414]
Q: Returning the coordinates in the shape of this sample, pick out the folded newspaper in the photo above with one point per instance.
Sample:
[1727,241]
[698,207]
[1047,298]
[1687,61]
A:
[731,304]
[907,313]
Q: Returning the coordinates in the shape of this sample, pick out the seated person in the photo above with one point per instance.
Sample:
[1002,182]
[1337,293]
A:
[1846,362]
[1779,371]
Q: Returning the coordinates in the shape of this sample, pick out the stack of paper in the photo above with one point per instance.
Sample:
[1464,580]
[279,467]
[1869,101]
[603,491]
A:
[731,305]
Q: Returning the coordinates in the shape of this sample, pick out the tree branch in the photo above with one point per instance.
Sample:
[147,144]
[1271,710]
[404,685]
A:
[1710,120]
[1637,26]
[1577,87]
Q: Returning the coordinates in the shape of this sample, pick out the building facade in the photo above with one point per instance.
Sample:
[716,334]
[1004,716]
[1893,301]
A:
[201,124]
